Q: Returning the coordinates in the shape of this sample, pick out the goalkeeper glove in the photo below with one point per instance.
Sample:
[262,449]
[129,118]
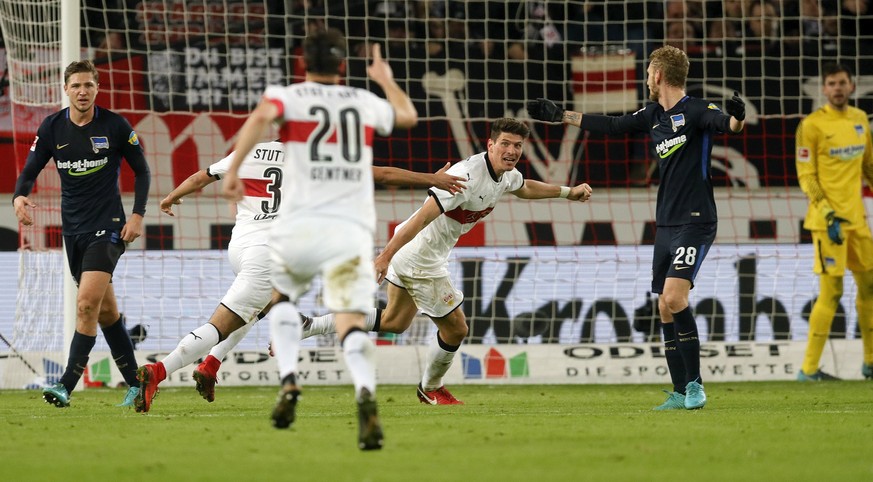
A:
[835,231]
[544,110]
[736,107]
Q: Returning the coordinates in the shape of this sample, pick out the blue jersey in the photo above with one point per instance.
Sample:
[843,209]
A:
[88,159]
[682,137]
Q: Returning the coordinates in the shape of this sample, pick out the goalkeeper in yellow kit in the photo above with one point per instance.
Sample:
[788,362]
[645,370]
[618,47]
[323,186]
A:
[834,151]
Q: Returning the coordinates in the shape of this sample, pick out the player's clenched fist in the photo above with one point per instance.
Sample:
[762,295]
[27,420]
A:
[582,192]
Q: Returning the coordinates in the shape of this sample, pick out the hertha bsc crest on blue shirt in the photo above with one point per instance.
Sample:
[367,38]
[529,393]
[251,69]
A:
[98,143]
[678,121]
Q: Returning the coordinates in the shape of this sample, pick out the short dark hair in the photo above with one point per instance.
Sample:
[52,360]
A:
[833,68]
[510,126]
[324,52]
[81,66]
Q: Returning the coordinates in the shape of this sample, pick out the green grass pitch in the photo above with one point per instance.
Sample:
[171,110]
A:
[779,431]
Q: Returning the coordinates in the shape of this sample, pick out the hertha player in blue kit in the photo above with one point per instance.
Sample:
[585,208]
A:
[87,144]
[682,130]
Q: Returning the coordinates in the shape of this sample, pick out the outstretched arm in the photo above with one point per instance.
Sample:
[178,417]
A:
[195,182]
[393,176]
[532,189]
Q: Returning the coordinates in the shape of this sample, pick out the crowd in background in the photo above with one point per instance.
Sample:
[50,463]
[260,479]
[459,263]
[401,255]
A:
[510,30]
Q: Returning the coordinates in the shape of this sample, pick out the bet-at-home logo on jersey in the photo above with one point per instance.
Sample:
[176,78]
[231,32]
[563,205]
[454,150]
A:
[668,146]
[846,153]
[83,167]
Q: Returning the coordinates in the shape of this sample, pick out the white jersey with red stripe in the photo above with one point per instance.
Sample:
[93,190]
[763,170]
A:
[429,250]
[261,174]
[328,134]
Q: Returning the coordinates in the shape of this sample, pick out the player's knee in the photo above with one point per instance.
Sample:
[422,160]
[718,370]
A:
[86,307]
[831,289]
[456,329]
[672,302]
[864,282]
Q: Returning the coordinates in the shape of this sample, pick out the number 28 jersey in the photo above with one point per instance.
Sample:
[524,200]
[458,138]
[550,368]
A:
[328,135]
[262,178]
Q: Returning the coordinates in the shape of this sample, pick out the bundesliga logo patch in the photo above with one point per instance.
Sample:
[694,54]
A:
[803,154]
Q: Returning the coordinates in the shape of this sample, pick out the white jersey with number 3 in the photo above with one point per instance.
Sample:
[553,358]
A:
[262,178]
[328,133]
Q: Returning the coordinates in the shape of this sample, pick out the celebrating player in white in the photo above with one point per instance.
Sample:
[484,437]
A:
[415,261]
[248,298]
[328,220]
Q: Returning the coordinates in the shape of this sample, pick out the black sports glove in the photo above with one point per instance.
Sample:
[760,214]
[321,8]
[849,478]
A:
[736,107]
[544,110]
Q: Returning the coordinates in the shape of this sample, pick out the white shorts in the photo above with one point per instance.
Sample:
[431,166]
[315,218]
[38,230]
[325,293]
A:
[341,251]
[436,297]
[251,289]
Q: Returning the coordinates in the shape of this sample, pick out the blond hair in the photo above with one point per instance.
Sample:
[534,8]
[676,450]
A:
[673,64]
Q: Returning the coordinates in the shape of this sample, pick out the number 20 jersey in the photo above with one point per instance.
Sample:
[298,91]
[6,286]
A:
[328,134]
[261,175]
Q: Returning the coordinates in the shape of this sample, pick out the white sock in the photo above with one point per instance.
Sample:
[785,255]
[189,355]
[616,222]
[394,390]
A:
[360,353]
[323,325]
[438,363]
[285,332]
[221,350]
[193,346]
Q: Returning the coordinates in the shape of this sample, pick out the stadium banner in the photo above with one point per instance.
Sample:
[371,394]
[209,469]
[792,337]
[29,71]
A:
[480,364]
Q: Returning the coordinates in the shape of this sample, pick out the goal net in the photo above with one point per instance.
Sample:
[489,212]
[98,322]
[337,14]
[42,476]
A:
[186,74]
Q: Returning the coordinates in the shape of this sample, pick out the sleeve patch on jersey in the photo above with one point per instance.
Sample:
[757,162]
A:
[98,143]
[132,139]
[33,146]
[802,154]
[713,107]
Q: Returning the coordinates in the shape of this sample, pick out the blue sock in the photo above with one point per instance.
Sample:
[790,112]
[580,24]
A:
[674,359]
[688,344]
[80,349]
[121,348]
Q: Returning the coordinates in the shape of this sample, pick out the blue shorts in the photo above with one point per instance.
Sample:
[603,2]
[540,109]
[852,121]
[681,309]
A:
[98,251]
[679,252]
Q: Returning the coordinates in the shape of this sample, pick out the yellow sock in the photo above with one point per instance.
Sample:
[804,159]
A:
[820,321]
[864,305]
